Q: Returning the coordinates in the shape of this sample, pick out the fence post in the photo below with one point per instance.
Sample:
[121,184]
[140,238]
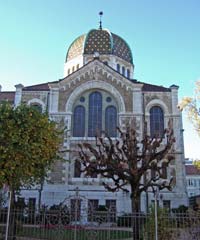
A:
[8,213]
[156,213]
[76,211]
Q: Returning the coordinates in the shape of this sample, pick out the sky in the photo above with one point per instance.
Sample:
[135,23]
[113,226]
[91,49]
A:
[164,37]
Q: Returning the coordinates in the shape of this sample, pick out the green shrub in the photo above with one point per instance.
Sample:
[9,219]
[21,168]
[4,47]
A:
[165,224]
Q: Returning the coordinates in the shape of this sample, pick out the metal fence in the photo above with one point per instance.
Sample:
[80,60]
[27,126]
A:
[61,224]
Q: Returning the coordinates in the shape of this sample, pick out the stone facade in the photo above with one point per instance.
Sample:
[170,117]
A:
[133,101]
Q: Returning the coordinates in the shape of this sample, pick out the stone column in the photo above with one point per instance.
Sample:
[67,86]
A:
[179,147]
[18,94]
[138,111]
[177,119]
[53,100]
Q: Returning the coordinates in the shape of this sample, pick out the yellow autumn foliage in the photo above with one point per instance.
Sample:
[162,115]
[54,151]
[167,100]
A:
[29,143]
[192,107]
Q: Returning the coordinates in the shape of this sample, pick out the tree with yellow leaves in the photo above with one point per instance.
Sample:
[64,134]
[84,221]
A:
[192,106]
[197,163]
[29,143]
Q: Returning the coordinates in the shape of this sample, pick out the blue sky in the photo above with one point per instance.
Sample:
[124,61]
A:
[163,35]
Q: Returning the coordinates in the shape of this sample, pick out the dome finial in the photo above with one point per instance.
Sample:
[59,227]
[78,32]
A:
[100,23]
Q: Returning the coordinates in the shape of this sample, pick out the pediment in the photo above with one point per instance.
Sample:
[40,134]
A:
[95,70]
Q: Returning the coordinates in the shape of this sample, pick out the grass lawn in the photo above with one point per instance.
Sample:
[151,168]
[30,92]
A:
[69,234]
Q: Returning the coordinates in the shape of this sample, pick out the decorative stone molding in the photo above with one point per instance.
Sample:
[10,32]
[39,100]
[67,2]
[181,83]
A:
[36,100]
[95,85]
[156,102]
[91,72]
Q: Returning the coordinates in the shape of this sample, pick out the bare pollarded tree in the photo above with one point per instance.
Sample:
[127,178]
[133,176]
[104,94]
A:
[140,164]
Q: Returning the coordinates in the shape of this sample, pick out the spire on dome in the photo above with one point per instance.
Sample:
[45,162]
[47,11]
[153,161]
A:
[100,22]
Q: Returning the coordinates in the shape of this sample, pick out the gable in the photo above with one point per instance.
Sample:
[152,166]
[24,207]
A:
[95,75]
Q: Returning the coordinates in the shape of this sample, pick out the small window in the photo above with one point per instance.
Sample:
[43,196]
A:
[111,204]
[77,66]
[77,169]
[68,71]
[189,182]
[195,183]
[118,68]
[82,99]
[31,203]
[108,99]
[73,68]
[167,204]
[123,70]
[93,205]
[128,73]
[37,107]
[20,202]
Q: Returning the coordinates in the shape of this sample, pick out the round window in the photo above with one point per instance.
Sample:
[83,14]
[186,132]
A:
[82,99]
[108,99]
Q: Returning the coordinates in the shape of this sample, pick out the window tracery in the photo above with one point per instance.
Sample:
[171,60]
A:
[93,112]
[156,121]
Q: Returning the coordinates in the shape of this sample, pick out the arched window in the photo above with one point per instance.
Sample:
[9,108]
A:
[111,121]
[128,73]
[123,70]
[94,111]
[118,67]
[77,169]
[95,114]
[73,68]
[79,121]
[156,122]
[37,106]
[77,66]
[68,71]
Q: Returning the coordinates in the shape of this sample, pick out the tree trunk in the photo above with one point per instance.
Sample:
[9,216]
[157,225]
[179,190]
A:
[12,220]
[40,193]
[135,201]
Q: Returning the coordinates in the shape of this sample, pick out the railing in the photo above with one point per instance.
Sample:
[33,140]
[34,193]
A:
[63,224]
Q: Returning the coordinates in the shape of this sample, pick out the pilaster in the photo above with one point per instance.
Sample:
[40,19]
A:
[18,94]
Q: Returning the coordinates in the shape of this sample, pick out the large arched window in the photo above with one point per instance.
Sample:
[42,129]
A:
[79,121]
[111,121]
[156,122]
[95,114]
[94,111]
